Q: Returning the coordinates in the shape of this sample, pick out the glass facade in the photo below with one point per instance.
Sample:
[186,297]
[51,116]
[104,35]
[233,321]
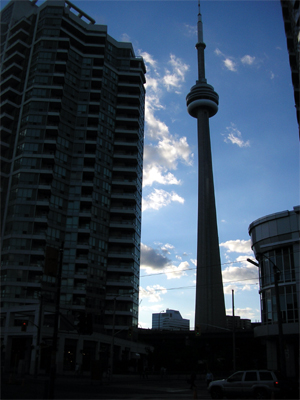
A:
[72,100]
[275,241]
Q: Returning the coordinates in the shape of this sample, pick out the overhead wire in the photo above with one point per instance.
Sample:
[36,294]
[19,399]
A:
[189,269]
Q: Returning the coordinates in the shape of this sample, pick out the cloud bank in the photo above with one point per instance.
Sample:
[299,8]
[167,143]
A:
[243,277]
[163,150]
[152,261]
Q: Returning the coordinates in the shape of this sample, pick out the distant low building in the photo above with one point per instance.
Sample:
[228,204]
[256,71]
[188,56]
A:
[170,320]
[239,323]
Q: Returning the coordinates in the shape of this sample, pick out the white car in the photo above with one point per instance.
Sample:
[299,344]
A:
[255,384]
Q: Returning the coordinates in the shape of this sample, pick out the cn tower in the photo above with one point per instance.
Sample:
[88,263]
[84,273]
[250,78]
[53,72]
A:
[202,103]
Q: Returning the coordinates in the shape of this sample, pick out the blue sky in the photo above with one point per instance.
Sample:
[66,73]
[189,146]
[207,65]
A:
[254,138]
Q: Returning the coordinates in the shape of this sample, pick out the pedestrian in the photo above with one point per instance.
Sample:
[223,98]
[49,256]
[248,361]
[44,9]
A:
[209,378]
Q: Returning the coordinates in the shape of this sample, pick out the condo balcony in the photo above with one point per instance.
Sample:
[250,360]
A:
[122,267]
[17,45]
[6,89]
[126,239]
[123,254]
[20,34]
[130,145]
[123,209]
[22,24]
[15,57]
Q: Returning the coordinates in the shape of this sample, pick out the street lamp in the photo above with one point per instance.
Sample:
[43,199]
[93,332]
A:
[276,272]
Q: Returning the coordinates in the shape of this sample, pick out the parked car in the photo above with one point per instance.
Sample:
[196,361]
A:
[255,384]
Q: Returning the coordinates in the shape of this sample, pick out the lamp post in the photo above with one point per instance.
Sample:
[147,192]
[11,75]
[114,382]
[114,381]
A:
[276,272]
[233,334]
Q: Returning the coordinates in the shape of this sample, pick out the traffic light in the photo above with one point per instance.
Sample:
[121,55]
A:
[197,331]
[24,326]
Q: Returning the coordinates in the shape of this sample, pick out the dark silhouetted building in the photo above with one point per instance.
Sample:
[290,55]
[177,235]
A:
[275,241]
[291,19]
[72,134]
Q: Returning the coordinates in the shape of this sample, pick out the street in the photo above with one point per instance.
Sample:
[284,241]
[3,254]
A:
[119,387]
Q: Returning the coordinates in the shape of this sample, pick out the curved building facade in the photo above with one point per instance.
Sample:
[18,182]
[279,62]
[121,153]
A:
[275,242]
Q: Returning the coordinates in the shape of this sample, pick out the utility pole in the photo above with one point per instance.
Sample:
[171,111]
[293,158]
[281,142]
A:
[55,328]
[233,334]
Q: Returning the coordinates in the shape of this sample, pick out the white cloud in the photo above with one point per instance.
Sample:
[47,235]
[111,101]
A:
[190,30]
[230,64]
[239,278]
[165,156]
[218,52]
[153,294]
[176,272]
[167,247]
[248,60]
[155,128]
[155,173]
[243,277]
[125,38]
[237,246]
[228,61]
[168,150]
[229,288]
[234,136]
[154,262]
[148,59]
[160,198]
[245,313]
[174,78]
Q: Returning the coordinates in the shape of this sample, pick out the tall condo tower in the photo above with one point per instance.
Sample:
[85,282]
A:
[202,103]
[72,137]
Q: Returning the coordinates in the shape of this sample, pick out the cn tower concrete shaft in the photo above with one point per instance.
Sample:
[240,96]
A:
[202,103]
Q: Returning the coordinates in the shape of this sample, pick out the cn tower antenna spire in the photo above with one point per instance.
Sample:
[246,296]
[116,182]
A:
[199,25]
[202,103]
[200,46]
